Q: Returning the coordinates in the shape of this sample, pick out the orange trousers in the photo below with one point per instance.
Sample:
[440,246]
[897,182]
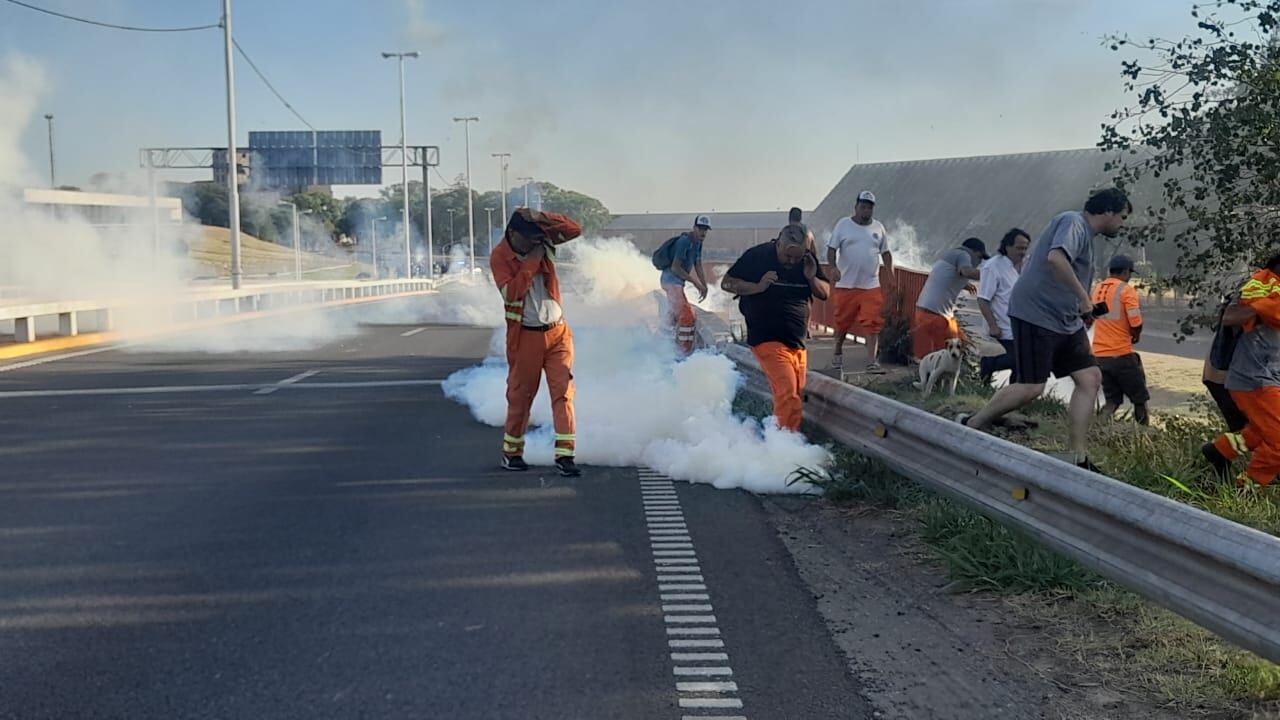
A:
[681,317]
[538,351]
[785,367]
[930,332]
[1261,435]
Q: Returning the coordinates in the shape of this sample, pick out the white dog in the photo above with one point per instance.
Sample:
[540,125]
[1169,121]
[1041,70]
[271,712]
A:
[935,365]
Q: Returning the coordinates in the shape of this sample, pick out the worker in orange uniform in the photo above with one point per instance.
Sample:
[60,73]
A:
[1114,334]
[1254,379]
[775,281]
[538,339]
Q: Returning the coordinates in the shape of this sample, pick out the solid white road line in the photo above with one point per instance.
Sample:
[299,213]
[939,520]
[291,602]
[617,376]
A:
[707,686]
[287,382]
[411,333]
[236,387]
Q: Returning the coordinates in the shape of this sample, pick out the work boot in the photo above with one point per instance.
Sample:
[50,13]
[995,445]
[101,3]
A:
[1087,464]
[514,463]
[567,467]
[1221,465]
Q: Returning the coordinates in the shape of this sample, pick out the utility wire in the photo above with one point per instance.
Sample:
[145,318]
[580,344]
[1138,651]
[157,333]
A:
[113,26]
[267,82]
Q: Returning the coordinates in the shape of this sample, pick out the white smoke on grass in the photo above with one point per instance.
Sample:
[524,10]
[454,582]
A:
[637,403]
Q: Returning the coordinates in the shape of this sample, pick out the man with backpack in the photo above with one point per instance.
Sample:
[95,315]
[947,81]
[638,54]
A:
[680,260]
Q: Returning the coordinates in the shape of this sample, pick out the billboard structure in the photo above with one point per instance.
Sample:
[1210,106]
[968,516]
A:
[292,160]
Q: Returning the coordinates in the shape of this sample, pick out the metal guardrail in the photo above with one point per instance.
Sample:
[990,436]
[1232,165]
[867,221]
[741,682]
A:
[1216,573]
[200,304]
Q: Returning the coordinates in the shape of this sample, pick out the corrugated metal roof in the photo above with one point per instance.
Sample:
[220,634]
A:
[947,200]
[771,220]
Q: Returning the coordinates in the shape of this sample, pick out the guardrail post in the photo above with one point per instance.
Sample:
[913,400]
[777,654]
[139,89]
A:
[24,329]
[67,324]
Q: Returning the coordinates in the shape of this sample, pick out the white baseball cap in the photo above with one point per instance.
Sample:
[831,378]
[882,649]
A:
[867,196]
[702,221]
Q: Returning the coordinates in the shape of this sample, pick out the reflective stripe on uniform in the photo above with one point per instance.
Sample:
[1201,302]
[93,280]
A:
[512,444]
[1256,289]
[1237,443]
[517,317]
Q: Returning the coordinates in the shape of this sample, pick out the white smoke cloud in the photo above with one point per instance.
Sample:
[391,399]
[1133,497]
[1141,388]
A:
[637,403]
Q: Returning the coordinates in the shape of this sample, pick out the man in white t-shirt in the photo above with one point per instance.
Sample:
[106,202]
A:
[856,248]
[998,277]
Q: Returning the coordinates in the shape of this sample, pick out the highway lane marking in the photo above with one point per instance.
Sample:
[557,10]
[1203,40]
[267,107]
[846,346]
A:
[235,387]
[287,382]
[413,332]
[694,644]
[60,356]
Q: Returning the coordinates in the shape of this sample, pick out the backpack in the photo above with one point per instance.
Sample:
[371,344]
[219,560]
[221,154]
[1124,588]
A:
[664,256]
[1224,343]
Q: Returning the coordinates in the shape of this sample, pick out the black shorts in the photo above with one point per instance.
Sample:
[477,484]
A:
[1123,377]
[1039,352]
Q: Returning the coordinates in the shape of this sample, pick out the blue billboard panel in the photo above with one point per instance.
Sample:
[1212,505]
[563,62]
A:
[298,158]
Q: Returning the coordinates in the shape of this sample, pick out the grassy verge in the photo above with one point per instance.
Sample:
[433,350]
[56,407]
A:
[1117,635]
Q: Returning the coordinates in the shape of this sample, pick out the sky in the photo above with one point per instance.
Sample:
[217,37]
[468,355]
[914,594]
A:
[649,105]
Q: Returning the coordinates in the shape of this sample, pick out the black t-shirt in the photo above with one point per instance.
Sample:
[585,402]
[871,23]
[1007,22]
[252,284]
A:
[781,313]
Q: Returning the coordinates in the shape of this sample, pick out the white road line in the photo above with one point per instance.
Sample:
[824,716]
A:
[710,703]
[54,358]
[236,387]
[687,557]
[686,569]
[695,643]
[707,686]
[680,578]
[686,608]
[701,671]
[412,332]
[674,597]
[693,631]
[712,717]
[287,382]
[689,619]
[699,657]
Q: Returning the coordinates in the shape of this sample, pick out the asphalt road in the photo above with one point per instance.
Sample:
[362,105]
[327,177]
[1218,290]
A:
[183,536]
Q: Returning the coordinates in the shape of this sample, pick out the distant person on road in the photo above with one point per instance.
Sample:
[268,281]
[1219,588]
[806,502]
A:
[775,281]
[680,260]
[1114,335]
[1254,379]
[999,274]
[1049,310]
[538,340]
[934,322]
[857,246]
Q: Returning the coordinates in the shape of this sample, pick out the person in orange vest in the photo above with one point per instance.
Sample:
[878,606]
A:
[1254,379]
[1114,335]
[774,282]
[538,339]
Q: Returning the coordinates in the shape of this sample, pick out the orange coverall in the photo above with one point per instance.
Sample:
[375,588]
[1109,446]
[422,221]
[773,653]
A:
[1262,405]
[532,351]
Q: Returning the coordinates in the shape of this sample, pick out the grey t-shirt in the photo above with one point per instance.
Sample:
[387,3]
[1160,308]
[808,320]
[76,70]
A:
[1038,298]
[945,283]
[1256,361]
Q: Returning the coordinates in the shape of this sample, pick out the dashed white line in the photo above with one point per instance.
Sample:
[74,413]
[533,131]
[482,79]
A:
[692,633]
[287,382]
[411,333]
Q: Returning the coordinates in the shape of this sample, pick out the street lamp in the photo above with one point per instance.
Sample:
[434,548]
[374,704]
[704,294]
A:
[527,182]
[233,175]
[471,221]
[53,183]
[451,211]
[404,161]
[503,161]
[297,241]
[373,228]
[489,232]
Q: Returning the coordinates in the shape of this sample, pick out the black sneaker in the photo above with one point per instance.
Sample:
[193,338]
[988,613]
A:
[1221,465]
[1087,464]
[514,463]
[567,467]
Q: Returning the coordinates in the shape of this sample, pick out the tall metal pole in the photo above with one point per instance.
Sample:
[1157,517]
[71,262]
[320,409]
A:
[426,220]
[451,240]
[233,186]
[53,182]
[527,182]
[489,229]
[404,164]
[503,158]
[471,219]
[297,246]
[373,226]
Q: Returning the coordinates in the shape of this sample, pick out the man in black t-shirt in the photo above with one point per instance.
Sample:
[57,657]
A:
[774,282]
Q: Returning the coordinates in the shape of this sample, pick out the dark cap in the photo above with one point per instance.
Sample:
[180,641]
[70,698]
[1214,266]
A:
[1122,263]
[977,246]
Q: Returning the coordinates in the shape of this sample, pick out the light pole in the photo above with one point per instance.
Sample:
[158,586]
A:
[503,160]
[527,182]
[404,162]
[297,241]
[471,220]
[489,232]
[53,183]
[233,174]
[373,230]
[451,211]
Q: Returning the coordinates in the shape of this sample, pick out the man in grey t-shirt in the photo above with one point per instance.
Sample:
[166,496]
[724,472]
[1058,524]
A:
[934,321]
[1049,311]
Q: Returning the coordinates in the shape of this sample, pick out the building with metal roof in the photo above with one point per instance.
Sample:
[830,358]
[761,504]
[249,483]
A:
[731,232]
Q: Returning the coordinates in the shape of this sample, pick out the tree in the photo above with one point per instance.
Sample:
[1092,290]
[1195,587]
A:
[588,211]
[1204,135]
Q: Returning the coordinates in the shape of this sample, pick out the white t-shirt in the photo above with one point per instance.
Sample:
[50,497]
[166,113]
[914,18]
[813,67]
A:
[539,307]
[858,250]
[996,286]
